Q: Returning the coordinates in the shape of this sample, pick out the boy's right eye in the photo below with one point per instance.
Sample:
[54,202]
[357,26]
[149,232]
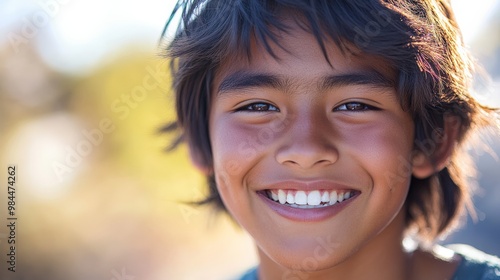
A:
[258,107]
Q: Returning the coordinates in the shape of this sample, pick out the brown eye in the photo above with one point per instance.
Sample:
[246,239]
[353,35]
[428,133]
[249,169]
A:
[259,106]
[354,106]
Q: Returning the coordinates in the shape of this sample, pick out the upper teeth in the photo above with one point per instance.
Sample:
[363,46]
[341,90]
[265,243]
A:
[312,198]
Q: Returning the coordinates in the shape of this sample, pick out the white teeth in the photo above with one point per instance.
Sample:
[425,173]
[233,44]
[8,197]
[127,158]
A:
[314,198]
[311,200]
[274,196]
[281,196]
[347,195]
[340,197]
[325,197]
[300,198]
[333,197]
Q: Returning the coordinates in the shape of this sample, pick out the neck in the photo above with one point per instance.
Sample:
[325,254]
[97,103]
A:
[383,257]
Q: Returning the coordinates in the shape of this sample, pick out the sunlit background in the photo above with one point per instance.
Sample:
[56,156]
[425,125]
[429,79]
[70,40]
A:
[83,92]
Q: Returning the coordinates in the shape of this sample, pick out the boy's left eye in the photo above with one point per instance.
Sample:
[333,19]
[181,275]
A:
[354,106]
[259,107]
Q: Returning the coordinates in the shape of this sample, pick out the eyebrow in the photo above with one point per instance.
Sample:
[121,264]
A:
[244,79]
[366,77]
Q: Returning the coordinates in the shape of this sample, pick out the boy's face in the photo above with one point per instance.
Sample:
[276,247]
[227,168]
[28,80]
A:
[299,130]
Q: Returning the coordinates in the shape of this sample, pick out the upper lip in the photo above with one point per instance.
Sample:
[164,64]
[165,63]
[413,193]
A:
[307,186]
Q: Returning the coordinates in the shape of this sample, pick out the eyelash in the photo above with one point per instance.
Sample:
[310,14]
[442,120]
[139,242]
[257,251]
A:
[366,107]
[266,107]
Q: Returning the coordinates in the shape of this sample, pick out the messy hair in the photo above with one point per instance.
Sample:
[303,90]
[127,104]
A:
[419,39]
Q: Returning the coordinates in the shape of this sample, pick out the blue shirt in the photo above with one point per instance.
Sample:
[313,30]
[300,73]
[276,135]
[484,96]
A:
[475,265]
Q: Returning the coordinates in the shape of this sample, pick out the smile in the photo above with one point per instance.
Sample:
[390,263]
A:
[309,199]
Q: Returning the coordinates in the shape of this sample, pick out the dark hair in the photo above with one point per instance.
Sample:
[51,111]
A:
[420,39]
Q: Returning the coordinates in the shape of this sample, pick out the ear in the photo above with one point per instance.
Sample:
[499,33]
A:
[435,156]
[198,161]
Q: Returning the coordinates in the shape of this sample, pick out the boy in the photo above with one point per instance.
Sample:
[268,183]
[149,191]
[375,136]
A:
[330,130]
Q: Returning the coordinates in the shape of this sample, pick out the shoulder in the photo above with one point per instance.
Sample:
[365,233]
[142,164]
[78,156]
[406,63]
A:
[475,264]
[250,274]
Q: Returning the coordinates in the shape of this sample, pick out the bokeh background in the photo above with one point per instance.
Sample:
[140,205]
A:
[83,92]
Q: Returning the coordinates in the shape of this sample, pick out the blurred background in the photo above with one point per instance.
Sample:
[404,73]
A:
[83,91]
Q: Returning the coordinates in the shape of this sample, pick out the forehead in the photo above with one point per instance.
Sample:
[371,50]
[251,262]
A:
[297,55]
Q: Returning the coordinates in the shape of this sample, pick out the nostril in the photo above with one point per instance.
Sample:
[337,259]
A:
[304,160]
[306,150]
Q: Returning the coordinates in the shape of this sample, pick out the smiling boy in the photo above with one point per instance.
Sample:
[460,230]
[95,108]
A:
[330,130]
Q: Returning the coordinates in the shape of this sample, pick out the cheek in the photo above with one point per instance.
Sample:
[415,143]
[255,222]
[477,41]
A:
[384,149]
[386,143]
[232,149]
[383,153]
[235,149]
[391,150]
[237,146]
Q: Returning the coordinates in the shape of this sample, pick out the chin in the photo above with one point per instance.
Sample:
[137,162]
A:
[306,257]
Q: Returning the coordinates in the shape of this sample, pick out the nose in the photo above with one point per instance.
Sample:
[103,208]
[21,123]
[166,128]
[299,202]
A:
[308,143]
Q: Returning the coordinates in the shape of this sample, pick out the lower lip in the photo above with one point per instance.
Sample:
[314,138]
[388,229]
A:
[306,215]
